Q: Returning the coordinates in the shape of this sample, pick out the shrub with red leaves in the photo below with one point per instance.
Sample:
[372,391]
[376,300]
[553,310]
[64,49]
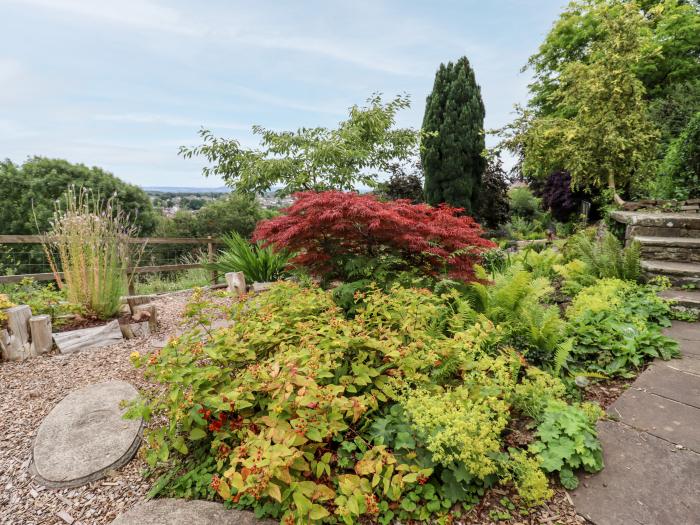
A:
[330,228]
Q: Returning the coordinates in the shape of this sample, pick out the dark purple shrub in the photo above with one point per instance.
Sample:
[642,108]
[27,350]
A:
[559,198]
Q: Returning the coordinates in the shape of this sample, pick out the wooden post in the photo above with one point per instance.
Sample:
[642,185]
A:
[134,300]
[210,250]
[146,312]
[236,282]
[42,339]
[15,340]
[129,278]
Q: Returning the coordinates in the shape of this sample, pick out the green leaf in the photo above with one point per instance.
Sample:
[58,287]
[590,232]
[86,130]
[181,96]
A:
[568,479]
[197,433]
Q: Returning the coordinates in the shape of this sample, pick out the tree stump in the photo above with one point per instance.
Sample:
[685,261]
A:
[14,341]
[236,282]
[134,300]
[42,338]
[134,330]
[146,312]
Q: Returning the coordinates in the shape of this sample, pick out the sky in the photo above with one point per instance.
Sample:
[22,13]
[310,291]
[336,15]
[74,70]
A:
[122,84]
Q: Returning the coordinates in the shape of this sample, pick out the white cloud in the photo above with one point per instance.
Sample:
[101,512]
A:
[141,14]
[166,120]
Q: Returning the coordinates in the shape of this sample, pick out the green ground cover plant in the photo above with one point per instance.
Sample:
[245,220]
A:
[42,299]
[616,327]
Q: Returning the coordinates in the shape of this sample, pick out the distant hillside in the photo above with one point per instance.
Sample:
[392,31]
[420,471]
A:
[180,189]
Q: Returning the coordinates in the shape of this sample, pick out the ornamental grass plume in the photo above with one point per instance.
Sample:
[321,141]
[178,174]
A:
[88,250]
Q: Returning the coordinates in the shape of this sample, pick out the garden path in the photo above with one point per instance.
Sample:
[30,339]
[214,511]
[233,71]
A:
[651,446]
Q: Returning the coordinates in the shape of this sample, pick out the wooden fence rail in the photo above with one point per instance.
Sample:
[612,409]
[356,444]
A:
[38,239]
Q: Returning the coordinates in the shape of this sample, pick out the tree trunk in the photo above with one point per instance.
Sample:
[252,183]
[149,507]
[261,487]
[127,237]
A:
[611,184]
[15,340]
[86,338]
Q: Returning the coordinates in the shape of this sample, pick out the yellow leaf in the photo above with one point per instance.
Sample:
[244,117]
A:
[224,490]
[274,492]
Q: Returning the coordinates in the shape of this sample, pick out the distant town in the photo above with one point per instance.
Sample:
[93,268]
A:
[170,200]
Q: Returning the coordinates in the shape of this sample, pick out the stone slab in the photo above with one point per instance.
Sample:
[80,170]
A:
[181,512]
[687,298]
[689,364]
[87,338]
[85,435]
[646,481]
[665,220]
[682,330]
[661,417]
[670,383]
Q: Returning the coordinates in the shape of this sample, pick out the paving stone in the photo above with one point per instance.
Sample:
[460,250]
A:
[683,330]
[181,512]
[689,364]
[689,348]
[661,417]
[669,383]
[646,481]
[85,435]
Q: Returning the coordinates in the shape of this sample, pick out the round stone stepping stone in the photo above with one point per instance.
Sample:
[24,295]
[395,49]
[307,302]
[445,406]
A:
[170,511]
[85,435]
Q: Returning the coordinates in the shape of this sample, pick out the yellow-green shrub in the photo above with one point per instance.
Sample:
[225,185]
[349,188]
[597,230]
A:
[303,414]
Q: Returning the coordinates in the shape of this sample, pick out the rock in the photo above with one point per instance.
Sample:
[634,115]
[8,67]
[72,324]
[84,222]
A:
[87,338]
[84,436]
[181,512]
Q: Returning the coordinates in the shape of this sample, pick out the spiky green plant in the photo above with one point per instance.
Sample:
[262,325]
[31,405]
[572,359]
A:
[88,250]
[258,263]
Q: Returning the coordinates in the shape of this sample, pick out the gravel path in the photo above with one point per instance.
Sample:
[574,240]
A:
[28,392]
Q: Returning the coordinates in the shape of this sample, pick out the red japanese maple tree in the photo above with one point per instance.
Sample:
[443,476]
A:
[331,227]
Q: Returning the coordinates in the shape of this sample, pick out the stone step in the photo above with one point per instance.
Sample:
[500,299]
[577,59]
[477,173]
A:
[683,221]
[681,249]
[687,298]
[679,273]
[659,231]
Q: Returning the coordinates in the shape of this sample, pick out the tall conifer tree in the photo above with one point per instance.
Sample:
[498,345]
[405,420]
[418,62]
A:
[452,148]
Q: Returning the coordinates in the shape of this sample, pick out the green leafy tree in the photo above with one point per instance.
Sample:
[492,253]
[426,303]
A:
[681,168]
[453,137]
[672,45]
[405,182]
[29,191]
[232,213]
[599,129]
[494,204]
[316,159]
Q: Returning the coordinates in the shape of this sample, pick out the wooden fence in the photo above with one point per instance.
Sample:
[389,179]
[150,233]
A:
[49,276]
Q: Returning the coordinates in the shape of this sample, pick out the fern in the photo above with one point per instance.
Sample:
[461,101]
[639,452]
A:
[561,355]
[605,257]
